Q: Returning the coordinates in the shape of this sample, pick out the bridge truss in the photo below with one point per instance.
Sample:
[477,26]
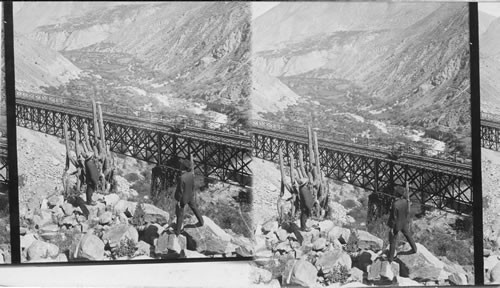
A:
[446,185]
[490,132]
[217,155]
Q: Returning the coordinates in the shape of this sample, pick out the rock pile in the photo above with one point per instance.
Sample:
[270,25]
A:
[118,229]
[332,255]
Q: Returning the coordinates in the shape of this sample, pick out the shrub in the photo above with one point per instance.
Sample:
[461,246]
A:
[379,228]
[351,246]
[132,177]
[349,204]
[339,274]
[125,249]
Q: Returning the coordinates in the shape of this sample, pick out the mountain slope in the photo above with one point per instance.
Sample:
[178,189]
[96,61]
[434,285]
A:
[489,41]
[37,65]
[294,22]
[412,69]
[484,21]
[490,68]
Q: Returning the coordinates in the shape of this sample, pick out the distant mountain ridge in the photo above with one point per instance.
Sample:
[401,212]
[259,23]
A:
[416,68]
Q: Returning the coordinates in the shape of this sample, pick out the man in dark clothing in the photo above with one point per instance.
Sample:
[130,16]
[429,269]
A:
[92,176]
[306,202]
[184,194]
[399,220]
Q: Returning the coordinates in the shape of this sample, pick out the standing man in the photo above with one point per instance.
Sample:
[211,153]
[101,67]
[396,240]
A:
[92,176]
[306,202]
[399,220]
[184,194]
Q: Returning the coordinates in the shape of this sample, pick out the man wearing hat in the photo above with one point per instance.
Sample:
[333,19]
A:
[399,220]
[184,194]
[306,202]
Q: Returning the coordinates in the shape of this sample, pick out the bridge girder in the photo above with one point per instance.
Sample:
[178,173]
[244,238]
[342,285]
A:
[441,188]
[212,159]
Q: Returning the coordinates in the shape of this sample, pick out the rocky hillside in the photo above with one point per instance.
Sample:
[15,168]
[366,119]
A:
[416,62]
[37,65]
[490,166]
[122,226]
[340,252]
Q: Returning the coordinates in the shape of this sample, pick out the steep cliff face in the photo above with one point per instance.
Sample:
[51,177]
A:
[412,64]
[37,65]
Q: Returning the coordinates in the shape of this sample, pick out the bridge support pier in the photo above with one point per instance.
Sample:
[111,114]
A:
[163,181]
[378,206]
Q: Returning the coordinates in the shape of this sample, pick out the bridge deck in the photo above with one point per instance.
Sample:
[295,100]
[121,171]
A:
[406,159]
[206,134]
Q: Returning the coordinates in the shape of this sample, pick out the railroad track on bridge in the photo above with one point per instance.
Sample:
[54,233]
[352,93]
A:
[444,184]
[217,154]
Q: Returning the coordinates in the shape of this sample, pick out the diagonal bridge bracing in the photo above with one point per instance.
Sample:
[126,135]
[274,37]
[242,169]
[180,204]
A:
[490,132]
[442,184]
[4,167]
[221,156]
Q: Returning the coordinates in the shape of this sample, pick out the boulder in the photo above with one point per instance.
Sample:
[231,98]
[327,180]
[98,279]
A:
[495,274]
[67,209]
[55,201]
[41,250]
[421,265]
[458,279]
[43,219]
[403,281]
[260,275]
[111,199]
[143,248]
[490,262]
[106,218]
[126,207]
[115,234]
[90,247]
[383,270]
[245,246]
[27,240]
[69,221]
[330,259]
[153,214]
[61,258]
[281,234]
[310,236]
[299,272]
[170,244]
[356,274]
[191,254]
[319,244]
[339,233]
[283,247]
[369,241]
[457,274]
[270,226]
[207,239]
[325,226]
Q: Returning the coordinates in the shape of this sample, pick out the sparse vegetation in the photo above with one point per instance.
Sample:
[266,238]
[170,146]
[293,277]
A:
[126,248]
[339,274]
